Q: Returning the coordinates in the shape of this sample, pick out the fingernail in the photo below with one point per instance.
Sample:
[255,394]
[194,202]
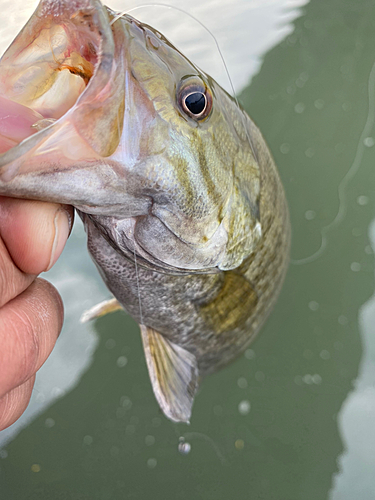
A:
[62,223]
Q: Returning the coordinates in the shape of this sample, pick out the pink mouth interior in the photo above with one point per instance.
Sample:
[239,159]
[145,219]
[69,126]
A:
[16,123]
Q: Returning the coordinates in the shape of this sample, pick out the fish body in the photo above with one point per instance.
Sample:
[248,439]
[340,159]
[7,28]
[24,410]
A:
[184,210]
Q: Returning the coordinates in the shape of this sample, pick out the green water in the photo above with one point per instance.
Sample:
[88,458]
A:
[275,425]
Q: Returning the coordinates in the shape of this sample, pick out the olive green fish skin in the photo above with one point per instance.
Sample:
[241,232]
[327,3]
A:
[186,218]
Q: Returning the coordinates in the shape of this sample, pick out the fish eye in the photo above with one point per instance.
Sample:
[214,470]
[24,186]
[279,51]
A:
[195,101]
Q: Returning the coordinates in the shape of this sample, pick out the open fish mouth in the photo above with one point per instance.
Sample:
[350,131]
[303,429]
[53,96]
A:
[60,65]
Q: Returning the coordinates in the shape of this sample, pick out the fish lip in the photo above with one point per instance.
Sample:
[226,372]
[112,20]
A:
[58,11]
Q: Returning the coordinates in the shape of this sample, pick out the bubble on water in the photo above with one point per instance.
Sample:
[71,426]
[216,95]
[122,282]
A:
[355,266]
[285,148]
[125,402]
[40,397]
[325,354]
[249,354]
[183,446]
[308,379]
[151,463]
[3,454]
[239,444]
[368,142]
[122,361]
[309,153]
[242,383]
[110,344]
[313,305]
[149,440]
[299,107]
[362,200]
[35,468]
[49,422]
[88,440]
[319,104]
[259,376]
[317,379]
[244,407]
[343,320]
[291,89]
[310,214]
[57,392]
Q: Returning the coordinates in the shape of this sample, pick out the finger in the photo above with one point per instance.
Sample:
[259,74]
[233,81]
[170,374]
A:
[15,402]
[29,327]
[34,232]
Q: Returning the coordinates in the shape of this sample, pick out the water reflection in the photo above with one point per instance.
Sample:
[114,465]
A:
[266,427]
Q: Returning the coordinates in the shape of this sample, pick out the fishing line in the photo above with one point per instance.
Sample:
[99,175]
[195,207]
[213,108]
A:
[348,176]
[172,7]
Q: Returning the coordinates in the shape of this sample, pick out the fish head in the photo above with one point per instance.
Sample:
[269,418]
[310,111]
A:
[114,120]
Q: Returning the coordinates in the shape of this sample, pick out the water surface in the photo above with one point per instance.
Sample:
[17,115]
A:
[293,418]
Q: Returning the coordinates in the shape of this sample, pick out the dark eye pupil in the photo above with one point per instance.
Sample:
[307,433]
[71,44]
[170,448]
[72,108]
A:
[195,103]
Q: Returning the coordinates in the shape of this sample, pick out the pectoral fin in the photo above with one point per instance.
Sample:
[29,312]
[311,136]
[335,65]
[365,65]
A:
[173,372]
[101,309]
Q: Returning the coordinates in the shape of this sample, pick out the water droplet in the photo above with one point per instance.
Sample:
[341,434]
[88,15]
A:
[308,379]
[149,440]
[310,215]
[285,148]
[343,320]
[122,361]
[35,468]
[319,104]
[249,354]
[355,266]
[184,447]
[239,444]
[317,379]
[40,397]
[57,392]
[324,354]
[242,383]
[299,107]
[88,440]
[259,376]
[3,454]
[368,142]
[313,305]
[49,422]
[110,344]
[362,200]
[244,407]
[125,402]
[151,463]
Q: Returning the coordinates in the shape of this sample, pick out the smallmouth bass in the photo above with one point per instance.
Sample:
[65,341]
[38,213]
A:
[184,210]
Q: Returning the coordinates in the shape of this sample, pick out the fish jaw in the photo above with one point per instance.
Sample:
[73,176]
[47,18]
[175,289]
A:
[67,47]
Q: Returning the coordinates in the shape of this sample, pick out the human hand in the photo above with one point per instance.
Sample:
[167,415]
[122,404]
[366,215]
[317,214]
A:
[32,237]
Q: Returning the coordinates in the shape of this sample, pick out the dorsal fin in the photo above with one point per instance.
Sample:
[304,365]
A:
[173,372]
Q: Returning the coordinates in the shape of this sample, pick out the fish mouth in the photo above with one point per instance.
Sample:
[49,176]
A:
[60,67]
